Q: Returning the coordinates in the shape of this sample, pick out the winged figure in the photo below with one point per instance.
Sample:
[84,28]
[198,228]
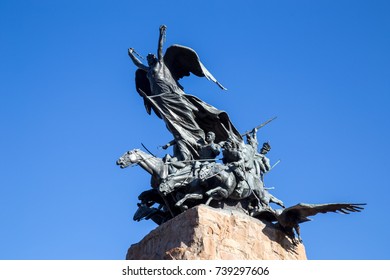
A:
[187,117]
[290,218]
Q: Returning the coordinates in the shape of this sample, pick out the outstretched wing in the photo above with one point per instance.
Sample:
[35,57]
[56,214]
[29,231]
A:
[143,88]
[300,212]
[182,61]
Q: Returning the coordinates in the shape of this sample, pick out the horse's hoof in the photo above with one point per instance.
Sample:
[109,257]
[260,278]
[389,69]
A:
[183,208]
[210,192]
[208,201]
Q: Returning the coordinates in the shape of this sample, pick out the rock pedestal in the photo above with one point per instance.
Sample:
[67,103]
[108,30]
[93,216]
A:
[205,233]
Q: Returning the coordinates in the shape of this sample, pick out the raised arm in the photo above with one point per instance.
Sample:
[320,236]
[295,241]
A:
[136,61]
[163,29]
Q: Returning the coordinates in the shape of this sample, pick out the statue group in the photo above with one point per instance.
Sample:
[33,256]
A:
[212,163]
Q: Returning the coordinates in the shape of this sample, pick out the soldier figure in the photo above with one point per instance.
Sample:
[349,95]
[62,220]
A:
[209,150]
[233,156]
[262,162]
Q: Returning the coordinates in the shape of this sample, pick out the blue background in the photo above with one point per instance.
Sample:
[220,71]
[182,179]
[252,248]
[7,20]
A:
[69,109]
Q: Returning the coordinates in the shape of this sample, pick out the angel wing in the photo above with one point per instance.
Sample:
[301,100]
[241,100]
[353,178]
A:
[182,61]
[299,213]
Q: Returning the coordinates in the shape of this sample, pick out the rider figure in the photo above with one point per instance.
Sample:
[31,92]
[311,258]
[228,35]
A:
[263,162]
[260,162]
[208,151]
[233,156]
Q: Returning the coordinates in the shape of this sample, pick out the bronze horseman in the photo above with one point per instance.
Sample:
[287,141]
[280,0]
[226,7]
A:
[194,174]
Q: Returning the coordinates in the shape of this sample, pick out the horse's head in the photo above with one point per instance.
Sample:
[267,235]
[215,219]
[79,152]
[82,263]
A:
[130,157]
[153,165]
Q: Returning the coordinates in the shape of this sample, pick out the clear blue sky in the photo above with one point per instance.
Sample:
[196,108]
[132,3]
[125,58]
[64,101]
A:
[69,109]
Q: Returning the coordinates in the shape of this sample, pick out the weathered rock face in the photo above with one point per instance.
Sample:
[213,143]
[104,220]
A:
[205,233]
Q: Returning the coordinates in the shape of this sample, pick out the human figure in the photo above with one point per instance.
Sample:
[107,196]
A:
[208,150]
[186,116]
[263,162]
[249,151]
[233,157]
[260,162]
[251,139]
[173,164]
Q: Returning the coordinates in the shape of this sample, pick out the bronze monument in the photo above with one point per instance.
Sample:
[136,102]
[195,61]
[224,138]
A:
[193,174]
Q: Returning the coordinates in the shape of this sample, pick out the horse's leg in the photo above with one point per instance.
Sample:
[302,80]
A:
[258,193]
[196,196]
[276,201]
[209,200]
[217,193]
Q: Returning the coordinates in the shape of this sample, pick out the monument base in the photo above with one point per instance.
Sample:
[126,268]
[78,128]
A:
[205,233]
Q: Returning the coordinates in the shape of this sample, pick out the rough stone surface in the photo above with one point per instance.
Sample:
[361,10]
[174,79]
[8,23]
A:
[205,233]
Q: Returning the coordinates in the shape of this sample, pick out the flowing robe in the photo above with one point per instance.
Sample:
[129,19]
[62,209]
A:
[187,117]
